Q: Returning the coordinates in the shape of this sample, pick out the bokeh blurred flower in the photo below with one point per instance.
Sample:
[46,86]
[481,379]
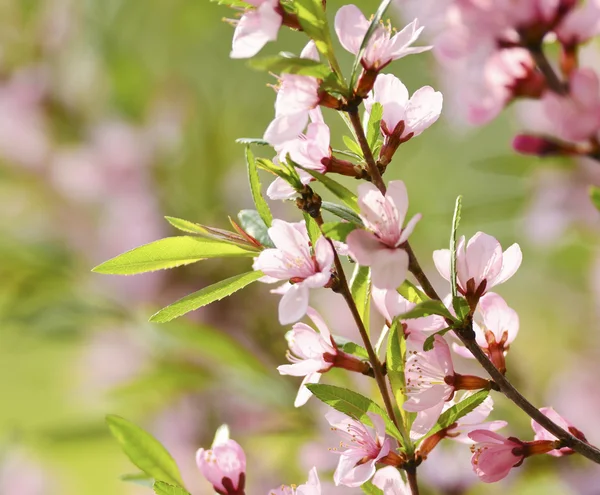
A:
[543,434]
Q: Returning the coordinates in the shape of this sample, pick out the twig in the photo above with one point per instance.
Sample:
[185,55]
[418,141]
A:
[411,475]
[540,59]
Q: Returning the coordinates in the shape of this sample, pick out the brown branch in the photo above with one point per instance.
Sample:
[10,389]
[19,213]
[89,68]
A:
[544,66]
[411,475]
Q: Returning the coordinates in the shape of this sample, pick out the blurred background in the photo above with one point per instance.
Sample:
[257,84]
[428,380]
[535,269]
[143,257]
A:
[115,113]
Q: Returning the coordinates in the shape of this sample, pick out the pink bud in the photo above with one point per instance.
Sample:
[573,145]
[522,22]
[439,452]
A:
[224,466]
[529,144]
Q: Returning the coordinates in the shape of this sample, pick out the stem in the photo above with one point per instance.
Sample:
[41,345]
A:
[411,475]
[364,146]
[539,57]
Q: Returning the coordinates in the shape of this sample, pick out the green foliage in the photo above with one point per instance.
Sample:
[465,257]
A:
[376,19]
[254,225]
[338,231]
[395,360]
[412,293]
[232,3]
[288,63]
[429,341]
[350,347]
[374,125]
[455,224]
[342,192]
[458,411]
[428,308]
[287,173]
[161,488]
[314,232]
[342,212]
[205,296]
[353,146]
[360,288]
[249,141]
[353,404]
[595,196]
[370,489]
[144,450]
[141,479]
[313,19]
[186,226]
[255,187]
[170,253]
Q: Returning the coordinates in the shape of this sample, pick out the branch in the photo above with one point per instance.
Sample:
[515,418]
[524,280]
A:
[544,66]
[411,475]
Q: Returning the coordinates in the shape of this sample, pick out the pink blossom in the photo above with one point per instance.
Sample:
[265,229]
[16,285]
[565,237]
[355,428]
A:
[292,260]
[580,25]
[351,27]
[494,455]
[428,374]
[543,434]
[480,265]
[379,247]
[224,466]
[364,447]
[416,113]
[310,353]
[256,28]
[311,487]
[389,480]
[296,97]
[576,116]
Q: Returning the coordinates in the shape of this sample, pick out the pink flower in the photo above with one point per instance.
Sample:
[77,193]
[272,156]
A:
[364,448]
[256,28]
[351,27]
[296,97]
[311,487]
[416,113]
[389,480]
[543,434]
[224,466]
[480,265]
[379,247]
[494,455]
[292,260]
[428,374]
[576,116]
[580,25]
[311,354]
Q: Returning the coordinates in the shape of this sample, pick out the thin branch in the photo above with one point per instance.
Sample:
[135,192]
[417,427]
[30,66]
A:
[411,475]
[544,66]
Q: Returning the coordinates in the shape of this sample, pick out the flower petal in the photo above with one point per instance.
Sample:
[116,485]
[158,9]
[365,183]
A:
[351,27]
[293,304]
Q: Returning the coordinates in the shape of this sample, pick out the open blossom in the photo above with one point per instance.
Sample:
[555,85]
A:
[310,353]
[543,434]
[496,326]
[292,260]
[576,116]
[388,480]
[379,247]
[311,487]
[363,448]
[415,114]
[224,466]
[296,97]
[256,28]
[351,27]
[580,25]
[494,455]
[480,264]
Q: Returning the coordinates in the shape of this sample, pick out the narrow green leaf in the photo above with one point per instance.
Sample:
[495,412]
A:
[353,146]
[412,293]
[374,124]
[161,488]
[314,232]
[254,225]
[353,404]
[144,450]
[232,3]
[370,489]
[312,18]
[248,141]
[186,226]
[287,63]
[343,212]
[170,253]
[376,19]
[395,359]
[141,479]
[428,344]
[261,205]
[455,224]
[595,196]
[342,192]
[338,231]
[205,296]
[350,347]
[360,287]
[458,411]
[428,308]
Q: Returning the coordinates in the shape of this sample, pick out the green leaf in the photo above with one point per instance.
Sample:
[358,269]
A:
[312,18]
[455,224]
[353,146]
[170,253]
[350,347]
[286,173]
[161,488]
[144,450]
[342,192]
[376,19]
[314,232]
[343,212]
[370,489]
[428,308]
[353,404]
[287,63]
[428,344]
[254,225]
[232,3]
[338,231]
[374,124]
[458,411]
[595,196]
[261,205]
[412,293]
[186,226]
[395,359]
[248,141]
[139,479]
[205,296]
[360,288]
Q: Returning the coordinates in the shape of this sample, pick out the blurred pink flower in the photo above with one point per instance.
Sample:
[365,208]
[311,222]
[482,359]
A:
[292,260]
[389,480]
[21,476]
[448,469]
[351,27]
[224,466]
[311,487]
[580,25]
[494,455]
[379,247]
[365,447]
[256,28]
[543,434]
